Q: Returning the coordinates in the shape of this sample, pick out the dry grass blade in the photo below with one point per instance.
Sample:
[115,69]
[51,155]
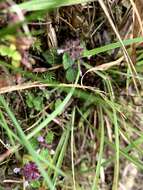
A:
[109,129]
[127,57]
[5,155]
[138,16]
[128,178]
[103,67]
[51,34]
[25,86]
[12,181]
[137,23]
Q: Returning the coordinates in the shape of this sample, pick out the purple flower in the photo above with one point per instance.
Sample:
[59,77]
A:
[40,139]
[30,171]
[74,49]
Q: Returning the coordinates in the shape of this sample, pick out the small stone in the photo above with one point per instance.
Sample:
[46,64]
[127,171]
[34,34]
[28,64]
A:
[16,170]
[26,184]
[52,152]
[60,51]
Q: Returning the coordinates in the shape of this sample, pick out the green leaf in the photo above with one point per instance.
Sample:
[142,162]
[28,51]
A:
[16,56]
[38,103]
[45,153]
[11,53]
[71,74]
[13,47]
[51,56]
[49,137]
[15,63]
[6,51]
[29,100]
[67,61]
[34,143]
[35,102]
[35,184]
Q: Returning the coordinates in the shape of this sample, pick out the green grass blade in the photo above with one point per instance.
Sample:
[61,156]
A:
[72,149]
[58,150]
[12,136]
[111,46]
[117,144]
[34,5]
[96,179]
[62,153]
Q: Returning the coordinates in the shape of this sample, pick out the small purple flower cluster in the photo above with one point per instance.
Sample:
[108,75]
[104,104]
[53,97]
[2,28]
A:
[30,171]
[74,49]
